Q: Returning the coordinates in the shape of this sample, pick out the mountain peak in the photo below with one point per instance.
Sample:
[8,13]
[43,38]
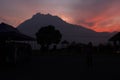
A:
[48,15]
[41,14]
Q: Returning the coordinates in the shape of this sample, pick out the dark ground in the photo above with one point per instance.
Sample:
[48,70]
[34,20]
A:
[64,67]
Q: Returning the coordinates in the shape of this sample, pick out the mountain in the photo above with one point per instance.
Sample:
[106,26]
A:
[69,31]
[7,28]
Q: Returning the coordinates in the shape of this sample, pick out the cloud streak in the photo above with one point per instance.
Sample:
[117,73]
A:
[100,15]
[93,13]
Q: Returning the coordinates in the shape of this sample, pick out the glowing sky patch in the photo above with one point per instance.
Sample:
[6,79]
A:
[99,15]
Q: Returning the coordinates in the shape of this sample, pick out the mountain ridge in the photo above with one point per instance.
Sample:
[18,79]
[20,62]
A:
[69,31]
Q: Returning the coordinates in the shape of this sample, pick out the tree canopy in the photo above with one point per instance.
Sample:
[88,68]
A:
[48,35]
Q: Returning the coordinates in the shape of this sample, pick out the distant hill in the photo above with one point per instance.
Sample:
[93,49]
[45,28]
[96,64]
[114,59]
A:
[4,27]
[69,31]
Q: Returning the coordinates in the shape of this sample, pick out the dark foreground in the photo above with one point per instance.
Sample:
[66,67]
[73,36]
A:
[64,67]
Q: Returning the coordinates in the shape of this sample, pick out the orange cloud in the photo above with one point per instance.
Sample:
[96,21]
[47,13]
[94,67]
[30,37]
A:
[99,15]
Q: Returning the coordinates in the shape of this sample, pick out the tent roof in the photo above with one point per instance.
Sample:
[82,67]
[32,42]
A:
[116,37]
[8,32]
[7,28]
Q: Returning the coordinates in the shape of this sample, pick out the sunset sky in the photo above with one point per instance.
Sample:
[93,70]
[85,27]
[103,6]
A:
[99,15]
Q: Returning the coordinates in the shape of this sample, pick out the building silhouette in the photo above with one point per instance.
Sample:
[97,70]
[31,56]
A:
[13,46]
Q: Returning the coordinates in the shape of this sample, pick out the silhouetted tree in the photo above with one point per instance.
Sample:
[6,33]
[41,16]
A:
[48,35]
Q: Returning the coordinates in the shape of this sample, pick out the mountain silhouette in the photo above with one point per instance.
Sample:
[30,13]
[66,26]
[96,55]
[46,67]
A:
[7,28]
[69,31]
